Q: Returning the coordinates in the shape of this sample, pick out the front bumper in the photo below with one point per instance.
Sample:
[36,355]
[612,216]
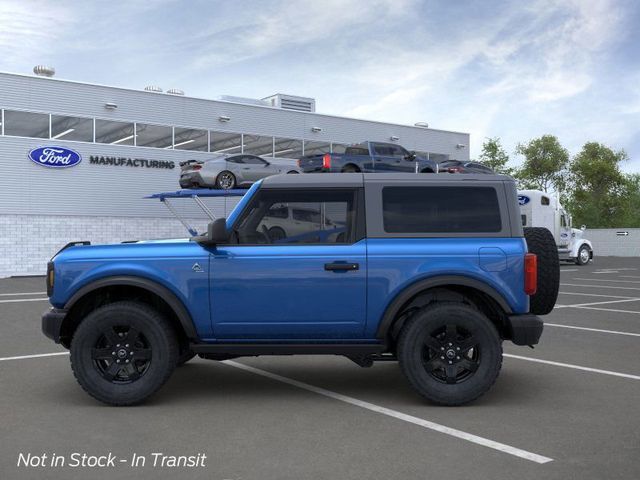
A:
[52,323]
[525,329]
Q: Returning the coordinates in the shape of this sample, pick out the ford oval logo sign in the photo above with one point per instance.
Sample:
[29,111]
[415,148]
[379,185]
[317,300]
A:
[55,157]
[523,199]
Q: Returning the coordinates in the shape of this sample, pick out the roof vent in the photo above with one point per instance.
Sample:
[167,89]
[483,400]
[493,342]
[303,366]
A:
[291,102]
[175,91]
[44,71]
[153,88]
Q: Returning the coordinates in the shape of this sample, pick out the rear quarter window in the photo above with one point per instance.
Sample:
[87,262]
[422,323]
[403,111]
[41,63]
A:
[443,209]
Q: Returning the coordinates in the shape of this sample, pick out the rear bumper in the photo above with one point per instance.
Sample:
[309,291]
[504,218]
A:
[52,323]
[525,329]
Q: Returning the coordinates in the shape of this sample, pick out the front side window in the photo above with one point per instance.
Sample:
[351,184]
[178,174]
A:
[441,210]
[299,217]
[253,160]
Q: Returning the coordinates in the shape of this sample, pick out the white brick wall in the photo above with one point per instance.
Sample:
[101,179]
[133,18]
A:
[27,242]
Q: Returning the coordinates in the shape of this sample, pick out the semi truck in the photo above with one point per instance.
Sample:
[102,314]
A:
[540,209]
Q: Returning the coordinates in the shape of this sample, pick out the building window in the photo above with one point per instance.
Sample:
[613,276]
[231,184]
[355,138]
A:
[157,136]
[287,148]
[222,142]
[190,139]
[71,128]
[26,124]
[257,145]
[115,133]
[316,148]
[441,210]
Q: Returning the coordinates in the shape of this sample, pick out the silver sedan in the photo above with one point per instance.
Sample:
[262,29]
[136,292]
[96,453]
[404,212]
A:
[230,171]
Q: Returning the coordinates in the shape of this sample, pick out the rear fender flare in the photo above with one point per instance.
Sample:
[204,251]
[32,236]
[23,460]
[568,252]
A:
[414,289]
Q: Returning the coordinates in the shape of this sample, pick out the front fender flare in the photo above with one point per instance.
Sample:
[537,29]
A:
[178,307]
[412,290]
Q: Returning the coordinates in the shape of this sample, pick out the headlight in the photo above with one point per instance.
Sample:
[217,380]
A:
[50,278]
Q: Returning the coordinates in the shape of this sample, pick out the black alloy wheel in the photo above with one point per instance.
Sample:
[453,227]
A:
[121,354]
[451,354]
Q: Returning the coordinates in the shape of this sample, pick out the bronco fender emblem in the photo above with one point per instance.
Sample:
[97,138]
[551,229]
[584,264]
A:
[196,267]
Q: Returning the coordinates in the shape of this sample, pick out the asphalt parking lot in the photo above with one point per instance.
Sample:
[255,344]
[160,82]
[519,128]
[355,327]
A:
[566,410]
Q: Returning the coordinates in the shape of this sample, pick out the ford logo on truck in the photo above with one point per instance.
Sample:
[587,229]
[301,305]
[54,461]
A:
[55,157]
[523,199]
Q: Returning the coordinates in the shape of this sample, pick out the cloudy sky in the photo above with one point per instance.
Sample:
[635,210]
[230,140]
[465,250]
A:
[514,69]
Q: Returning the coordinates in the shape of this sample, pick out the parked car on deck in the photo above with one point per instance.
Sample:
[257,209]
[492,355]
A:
[459,166]
[369,157]
[230,171]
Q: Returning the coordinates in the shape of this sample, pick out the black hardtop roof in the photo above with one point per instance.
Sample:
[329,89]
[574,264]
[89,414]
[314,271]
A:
[358,179]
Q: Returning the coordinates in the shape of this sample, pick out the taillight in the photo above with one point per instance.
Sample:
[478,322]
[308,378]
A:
[326,161]
[299,163]
[454,170]
[196,167]
[530,273]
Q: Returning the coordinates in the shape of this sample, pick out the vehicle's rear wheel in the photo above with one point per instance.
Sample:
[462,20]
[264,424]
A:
[350,169]
[123,352]
[225,180]
[276,234]
[584,255]
[292,172]
[450,352]
[541,242]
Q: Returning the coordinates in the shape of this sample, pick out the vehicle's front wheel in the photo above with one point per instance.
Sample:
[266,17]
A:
[123,352]
[584,255]
[225,180]
[450,352]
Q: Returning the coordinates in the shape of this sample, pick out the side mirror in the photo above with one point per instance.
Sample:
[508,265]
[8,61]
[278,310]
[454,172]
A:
[411,156]
[216,233]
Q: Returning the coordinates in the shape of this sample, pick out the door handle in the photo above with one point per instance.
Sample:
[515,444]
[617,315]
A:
[341,266]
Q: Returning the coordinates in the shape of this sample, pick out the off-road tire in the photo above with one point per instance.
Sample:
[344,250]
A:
[156,336]
[415,352]
[579,260]
[541,242]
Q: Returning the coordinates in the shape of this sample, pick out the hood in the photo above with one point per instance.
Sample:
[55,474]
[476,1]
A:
[136,249]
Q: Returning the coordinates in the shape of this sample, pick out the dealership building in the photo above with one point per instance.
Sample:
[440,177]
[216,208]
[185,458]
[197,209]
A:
[119,145]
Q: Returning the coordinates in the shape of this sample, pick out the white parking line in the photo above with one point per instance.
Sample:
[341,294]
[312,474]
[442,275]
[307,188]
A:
[629,276]
[599,286]
[575,367]
[610,310]
[485,442]
[569,270]
[592,295]
[606,280]
[18,300]
[591,329]
[24,357]
[22,293]
[598,303]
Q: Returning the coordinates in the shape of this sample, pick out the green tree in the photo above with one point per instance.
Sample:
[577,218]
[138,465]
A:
[600,194]
[545,164]
[494,156]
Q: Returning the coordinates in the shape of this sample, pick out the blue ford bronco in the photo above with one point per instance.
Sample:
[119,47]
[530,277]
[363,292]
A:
[432,271]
